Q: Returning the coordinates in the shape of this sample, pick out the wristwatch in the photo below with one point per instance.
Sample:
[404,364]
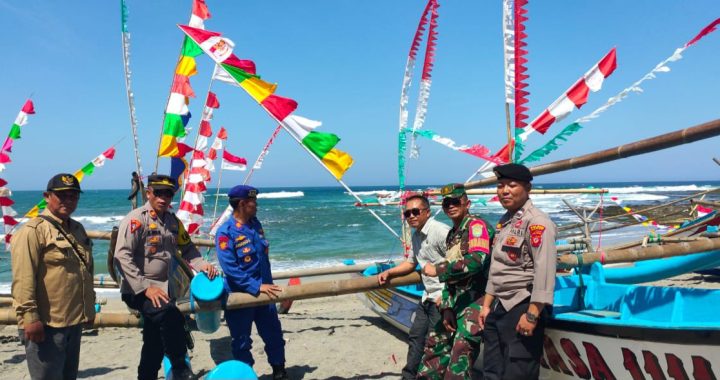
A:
[532,318]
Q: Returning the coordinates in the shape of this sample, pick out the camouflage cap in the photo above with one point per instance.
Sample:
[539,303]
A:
[453,190]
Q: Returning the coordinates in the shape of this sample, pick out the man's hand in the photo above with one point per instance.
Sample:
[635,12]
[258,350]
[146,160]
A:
[35,332]
[272,291]
[449,320]
[383,277]
[438,301]
[484,312]
[157,296]
[524,327]
[210,270]
[429,270]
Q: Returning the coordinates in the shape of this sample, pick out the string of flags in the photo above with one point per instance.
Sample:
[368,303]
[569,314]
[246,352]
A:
[661,67]
[80,174]
[242,72]
[8,213]
[429,16]
[645,221]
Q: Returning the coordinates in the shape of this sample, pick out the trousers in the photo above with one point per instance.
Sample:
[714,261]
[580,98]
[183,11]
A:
[426,316]
[57,357]
[163,334]
[266,320]
[509,355]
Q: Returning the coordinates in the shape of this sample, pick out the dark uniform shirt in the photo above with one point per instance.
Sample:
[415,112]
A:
[242,251]
[524,258]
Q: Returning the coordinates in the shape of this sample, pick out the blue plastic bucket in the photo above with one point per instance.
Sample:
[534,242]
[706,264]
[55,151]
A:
[203,289]
[167,366]
[232,369]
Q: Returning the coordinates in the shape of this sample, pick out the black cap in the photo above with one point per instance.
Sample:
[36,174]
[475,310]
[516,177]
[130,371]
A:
[513,171]
[160,182]
[63,181]
[453,190]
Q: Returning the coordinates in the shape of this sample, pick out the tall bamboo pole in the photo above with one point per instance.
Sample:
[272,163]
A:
[664,141]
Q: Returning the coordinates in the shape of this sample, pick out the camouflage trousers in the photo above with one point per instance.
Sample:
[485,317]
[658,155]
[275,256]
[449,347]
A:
[452,355]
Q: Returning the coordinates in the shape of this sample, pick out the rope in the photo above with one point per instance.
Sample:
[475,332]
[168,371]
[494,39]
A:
[600,211]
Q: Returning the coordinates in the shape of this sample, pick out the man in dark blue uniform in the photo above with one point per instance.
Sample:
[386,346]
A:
[243,255]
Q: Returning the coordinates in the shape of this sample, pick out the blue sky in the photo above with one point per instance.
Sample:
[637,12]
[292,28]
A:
[343,62]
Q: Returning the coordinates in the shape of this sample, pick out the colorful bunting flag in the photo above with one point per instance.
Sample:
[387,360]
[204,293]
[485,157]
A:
[280,108]
[322,145]
[177,114]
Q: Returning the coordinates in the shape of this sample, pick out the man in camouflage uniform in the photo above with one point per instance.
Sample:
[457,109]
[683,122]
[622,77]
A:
[453,346]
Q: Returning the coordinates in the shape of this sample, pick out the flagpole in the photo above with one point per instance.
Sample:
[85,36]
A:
[129,94]
[340,181]
[197,135]
[217,193]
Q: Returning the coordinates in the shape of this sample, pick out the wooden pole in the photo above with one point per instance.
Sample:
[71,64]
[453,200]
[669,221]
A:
[102,281]
[640,253]
[303,291]
[668,140]
[8,317]
[705,203]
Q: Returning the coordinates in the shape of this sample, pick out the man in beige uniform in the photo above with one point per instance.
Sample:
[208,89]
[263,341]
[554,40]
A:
[519,293]
[148,240]
[52,284]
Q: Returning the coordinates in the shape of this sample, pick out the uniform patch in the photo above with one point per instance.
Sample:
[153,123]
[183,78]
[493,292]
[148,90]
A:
[153,214]
[498,226]
[223,242]
[241,238]
[247,259]
[241,243]
[152,249]
[518,224]
[246,250]
[478,240]
[154,239]
[134,225]
[536,232]
[152,226]
[512,246]
[183,236]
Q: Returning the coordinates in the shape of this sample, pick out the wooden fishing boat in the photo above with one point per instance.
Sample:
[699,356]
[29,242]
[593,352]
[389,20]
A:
[608,330]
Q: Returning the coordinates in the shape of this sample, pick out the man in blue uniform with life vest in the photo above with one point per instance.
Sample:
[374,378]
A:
[243,255]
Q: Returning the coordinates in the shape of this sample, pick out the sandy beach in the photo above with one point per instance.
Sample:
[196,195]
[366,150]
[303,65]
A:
[327,338]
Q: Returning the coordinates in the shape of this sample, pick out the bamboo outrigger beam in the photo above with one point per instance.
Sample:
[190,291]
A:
[701,202]
[305,291]
[364,284]
[667,140]
[7,317]
[493,192]
[104,280]
[640,253]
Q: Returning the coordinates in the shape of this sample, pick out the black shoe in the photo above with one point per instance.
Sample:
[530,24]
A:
[183,374]
[279,372]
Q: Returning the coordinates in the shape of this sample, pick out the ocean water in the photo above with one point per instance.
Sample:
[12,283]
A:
[320,226]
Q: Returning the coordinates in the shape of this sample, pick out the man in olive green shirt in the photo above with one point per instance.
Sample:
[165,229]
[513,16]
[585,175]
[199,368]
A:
[52,284]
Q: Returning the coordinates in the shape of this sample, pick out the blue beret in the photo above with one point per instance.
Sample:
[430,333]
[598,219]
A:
[243,192]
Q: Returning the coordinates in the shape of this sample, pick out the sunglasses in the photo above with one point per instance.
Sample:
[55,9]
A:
[164,193]
[449,202]
[413,211]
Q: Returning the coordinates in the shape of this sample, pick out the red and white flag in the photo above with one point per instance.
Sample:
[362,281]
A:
[231,162]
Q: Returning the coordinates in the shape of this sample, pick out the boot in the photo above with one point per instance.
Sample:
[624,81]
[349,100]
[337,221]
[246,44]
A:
[279,372]
[182,374]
